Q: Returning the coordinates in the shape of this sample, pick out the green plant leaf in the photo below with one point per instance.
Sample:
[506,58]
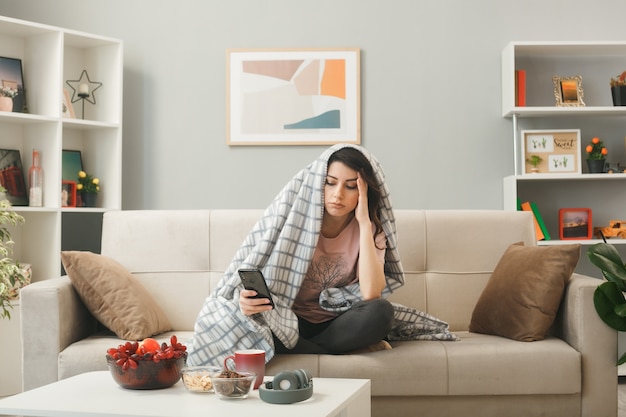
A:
[607,299]
[622,360]
[607,258]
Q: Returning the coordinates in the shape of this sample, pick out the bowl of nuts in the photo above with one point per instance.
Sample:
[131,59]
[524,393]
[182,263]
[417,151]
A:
[230,385]
[198,378]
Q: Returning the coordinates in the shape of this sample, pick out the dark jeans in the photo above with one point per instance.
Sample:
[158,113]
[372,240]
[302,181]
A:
[366,323]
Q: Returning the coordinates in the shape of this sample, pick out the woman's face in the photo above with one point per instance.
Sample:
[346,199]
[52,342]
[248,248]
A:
[341,194]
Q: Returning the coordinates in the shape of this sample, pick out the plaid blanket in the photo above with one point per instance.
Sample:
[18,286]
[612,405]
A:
[282,244]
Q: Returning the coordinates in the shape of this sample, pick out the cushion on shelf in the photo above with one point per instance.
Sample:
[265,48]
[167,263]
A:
[523,294]
[114,296]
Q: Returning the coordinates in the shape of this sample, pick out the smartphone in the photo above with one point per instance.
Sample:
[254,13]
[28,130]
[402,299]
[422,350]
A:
[253,279]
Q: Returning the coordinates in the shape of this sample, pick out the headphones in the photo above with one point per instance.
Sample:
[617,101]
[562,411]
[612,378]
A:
[288,387]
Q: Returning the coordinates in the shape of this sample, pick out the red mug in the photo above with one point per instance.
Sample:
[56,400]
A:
[249,360]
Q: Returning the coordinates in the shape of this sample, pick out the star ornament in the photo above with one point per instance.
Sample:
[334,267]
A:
[84,88]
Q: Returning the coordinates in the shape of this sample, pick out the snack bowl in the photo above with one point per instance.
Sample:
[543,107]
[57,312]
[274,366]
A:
[230,385]
[198,378]
[147,374]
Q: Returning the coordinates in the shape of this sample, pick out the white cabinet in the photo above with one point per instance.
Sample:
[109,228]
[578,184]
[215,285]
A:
[50,56]
[597,63]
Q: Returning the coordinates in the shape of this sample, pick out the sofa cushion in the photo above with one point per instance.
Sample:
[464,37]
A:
[114,296]
[475,365]
[522,296]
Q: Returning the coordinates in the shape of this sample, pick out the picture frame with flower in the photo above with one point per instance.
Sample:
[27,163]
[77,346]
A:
[12,83]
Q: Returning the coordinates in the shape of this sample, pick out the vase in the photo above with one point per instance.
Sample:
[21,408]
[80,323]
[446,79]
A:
[89,199]
[596,166]
[6,104]
[618,93]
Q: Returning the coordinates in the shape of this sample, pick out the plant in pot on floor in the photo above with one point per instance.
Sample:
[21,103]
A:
[596,153]
[13,276]
[608,297]
[88,186]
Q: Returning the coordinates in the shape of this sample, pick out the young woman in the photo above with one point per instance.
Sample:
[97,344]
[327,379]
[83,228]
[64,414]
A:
[327,248]
[351,249]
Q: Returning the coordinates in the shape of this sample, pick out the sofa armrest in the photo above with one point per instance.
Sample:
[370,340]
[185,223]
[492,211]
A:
[580,326]
[52,317]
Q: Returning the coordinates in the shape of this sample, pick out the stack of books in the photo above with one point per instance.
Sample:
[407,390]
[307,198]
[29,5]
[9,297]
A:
[540,227]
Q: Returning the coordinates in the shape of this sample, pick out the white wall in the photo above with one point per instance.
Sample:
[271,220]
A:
[430,89]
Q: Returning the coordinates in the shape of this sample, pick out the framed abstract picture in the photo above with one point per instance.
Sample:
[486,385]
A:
[293,96]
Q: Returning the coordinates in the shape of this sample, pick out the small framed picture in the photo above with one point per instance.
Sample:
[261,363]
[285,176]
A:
[12,177]
[568,91]
[12,82]
[68,194]
[575,223]
[66,107]
[71,164]
[551,151]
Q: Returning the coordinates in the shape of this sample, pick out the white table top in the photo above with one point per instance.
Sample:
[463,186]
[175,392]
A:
[95,394]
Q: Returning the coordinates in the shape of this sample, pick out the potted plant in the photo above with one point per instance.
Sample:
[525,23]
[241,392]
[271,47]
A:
[618,89]
[534,160]
[596,151]
[608,297]
[88,186]
[12,275]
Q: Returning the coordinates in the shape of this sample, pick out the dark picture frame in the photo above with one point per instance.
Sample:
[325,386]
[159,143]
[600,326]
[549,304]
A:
[12,75]
[575,223]
[68,194]
[72,162]
[12,177]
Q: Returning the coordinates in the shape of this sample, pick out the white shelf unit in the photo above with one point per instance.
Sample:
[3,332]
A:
[597,63]
[604,194]
[51,56]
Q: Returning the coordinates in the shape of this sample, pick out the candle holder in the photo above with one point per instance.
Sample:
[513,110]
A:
[84,90]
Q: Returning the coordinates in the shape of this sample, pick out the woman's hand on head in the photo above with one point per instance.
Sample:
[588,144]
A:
[361,212]
[250,306]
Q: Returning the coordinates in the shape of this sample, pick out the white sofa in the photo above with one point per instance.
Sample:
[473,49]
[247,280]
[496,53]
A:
[448,256]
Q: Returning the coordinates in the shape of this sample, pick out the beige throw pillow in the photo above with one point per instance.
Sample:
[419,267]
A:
[522,296]
[114,296]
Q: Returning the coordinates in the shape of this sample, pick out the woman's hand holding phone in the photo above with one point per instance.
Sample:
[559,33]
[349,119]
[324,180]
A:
[256,297]
[250,305]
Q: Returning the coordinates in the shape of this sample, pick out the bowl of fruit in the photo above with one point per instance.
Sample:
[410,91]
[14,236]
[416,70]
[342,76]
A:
[147,364]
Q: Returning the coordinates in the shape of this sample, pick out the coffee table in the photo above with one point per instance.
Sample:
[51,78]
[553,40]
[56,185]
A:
[95,394]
